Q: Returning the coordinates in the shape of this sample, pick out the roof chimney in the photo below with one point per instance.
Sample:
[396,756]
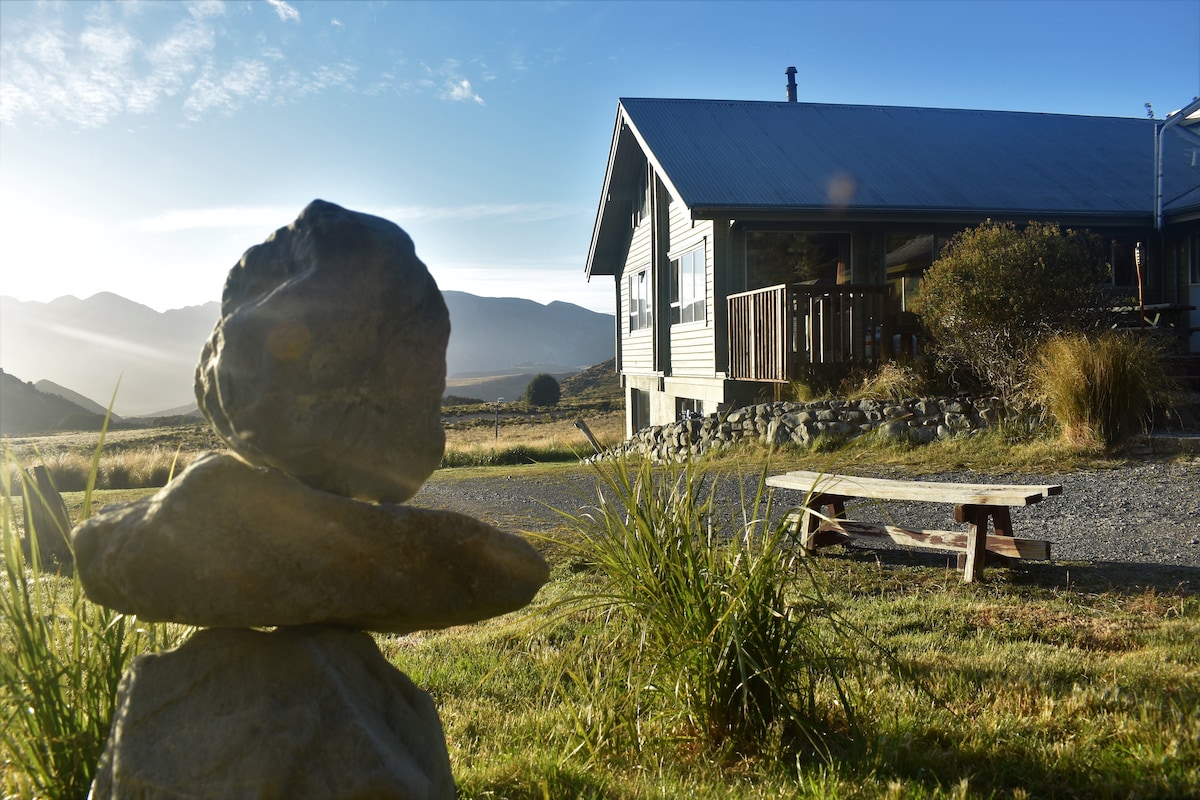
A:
[791,84]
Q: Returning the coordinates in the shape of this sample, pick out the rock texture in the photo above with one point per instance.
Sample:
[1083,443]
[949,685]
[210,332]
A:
[228,544]
[329,360]
[300,712]
[325,375]
[918,420]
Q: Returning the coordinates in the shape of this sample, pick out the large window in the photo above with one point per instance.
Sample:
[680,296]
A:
[640,314]
[907,257]
[688,287]
[775,257]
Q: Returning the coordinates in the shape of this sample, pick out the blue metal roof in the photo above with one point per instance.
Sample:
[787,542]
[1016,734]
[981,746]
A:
[721,155]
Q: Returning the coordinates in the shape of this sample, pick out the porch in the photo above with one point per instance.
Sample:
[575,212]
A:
[777,332]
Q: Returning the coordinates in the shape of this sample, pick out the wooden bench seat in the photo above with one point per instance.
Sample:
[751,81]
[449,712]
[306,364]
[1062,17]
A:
[821,518]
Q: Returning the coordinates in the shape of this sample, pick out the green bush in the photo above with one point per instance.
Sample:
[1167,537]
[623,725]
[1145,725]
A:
[1101,389]
[715,631]
[997,292]
[543,391]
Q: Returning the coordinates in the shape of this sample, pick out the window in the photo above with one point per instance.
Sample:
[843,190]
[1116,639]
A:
[1124,266]
[1194,261]
[688,288]
[775,257]
[639,409]
[907,257]
[641,198]
[640,315]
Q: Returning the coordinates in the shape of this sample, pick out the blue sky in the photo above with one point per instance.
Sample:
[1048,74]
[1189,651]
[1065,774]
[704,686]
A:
[145,145]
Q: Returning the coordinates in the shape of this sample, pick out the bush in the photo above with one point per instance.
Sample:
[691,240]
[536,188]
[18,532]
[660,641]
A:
[996,293]
[543,390]
[1101,389]
[713,630]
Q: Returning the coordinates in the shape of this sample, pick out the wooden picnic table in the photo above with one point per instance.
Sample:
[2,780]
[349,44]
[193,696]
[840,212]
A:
[821,518]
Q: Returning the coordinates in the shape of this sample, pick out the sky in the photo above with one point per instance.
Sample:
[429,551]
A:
[145,145]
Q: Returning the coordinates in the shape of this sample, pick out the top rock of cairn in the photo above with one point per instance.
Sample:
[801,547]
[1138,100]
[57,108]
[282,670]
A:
[328,361]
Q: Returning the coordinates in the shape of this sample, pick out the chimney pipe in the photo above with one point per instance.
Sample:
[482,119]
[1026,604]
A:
[791,84]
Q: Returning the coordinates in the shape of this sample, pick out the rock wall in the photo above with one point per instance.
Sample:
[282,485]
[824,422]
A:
[919,420]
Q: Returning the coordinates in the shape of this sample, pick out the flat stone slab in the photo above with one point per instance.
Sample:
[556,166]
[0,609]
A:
[227,544]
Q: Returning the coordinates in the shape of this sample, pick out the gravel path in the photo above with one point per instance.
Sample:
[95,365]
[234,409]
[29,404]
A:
[1128,519]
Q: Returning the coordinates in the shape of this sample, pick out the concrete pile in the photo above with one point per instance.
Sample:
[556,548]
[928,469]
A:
[324,376]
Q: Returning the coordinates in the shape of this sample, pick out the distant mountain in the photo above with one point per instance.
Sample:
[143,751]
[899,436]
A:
[92,407]
[25,410]
[88,345]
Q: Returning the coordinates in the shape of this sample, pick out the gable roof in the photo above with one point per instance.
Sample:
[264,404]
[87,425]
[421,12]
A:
[753,159]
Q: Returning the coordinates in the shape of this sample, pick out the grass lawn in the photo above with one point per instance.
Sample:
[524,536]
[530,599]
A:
[1055,681]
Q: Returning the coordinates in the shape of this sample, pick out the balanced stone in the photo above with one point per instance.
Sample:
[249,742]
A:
[329,359]
[298,712]
[233,545]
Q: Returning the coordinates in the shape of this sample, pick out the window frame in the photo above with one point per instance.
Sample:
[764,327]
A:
[695,261]
[640,314]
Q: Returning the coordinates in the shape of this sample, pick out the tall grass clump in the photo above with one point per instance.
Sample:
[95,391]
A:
[1101,389]
[61,660]
[705,630]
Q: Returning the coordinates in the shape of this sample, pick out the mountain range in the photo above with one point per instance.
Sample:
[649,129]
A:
[86,346]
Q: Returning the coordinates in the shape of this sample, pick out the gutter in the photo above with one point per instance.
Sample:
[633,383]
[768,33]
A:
[1159,130]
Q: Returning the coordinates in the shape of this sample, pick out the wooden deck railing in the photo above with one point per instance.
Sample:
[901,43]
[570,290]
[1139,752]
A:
[775,332]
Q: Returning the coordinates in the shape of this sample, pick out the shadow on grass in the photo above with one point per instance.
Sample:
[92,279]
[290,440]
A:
[1122,577]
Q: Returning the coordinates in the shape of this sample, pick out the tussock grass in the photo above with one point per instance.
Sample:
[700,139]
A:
[1102,389]
[524,440]
[61,660]
[718,631]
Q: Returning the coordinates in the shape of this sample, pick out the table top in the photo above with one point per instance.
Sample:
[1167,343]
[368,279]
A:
[984,494]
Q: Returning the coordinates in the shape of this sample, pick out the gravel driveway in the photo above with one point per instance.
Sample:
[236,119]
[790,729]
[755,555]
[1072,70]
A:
[1139,522]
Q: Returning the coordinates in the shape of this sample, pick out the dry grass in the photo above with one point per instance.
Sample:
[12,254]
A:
[537,433]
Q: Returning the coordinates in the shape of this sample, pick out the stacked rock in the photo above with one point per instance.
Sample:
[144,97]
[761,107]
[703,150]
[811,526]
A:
[324,376]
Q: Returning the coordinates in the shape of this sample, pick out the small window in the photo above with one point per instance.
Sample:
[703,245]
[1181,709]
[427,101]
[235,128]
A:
[641,199]
[640,316]
[689,293]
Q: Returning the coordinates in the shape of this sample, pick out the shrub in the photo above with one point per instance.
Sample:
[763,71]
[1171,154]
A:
[997,292]
[543,390]
[717,633]
[1101,389]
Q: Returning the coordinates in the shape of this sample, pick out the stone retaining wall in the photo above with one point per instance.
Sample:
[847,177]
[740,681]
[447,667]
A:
[920,420]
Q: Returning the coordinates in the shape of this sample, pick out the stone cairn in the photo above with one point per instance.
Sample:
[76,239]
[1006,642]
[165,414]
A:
[324,376]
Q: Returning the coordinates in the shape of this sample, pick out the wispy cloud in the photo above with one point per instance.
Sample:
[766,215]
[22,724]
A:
[286,12]
[516,212]
[87,70]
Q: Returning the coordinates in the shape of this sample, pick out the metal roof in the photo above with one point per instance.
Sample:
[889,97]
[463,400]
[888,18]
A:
[746,160]
[723,154]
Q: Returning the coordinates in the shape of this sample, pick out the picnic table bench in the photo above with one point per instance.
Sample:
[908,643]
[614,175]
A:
[821,518]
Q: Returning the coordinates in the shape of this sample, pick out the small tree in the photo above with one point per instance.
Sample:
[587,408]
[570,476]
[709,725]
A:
[543,390]
[997,292]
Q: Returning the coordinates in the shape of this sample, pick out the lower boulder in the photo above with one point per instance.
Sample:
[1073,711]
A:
[311,711]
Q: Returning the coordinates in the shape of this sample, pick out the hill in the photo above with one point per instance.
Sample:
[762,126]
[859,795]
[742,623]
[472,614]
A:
[88,345]
[25,410]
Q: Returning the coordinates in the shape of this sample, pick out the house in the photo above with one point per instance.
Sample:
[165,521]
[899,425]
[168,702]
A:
[749,240]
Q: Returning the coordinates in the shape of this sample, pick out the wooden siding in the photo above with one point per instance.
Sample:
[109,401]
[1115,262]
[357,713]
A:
[692,344]
[775,332]
[637,350]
